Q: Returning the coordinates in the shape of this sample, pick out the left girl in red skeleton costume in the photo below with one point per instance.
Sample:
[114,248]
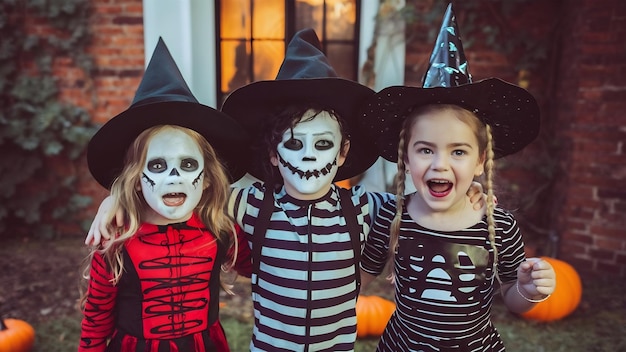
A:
[168,161]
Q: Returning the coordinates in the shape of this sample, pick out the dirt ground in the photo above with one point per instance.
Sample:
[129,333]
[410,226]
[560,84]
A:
[39,283]
[40,280]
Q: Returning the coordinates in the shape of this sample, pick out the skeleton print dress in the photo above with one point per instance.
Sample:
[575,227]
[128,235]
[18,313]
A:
[444,282]
[168,296]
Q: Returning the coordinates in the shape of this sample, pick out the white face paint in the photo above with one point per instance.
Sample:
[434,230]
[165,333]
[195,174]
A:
[172,181]
[309,158]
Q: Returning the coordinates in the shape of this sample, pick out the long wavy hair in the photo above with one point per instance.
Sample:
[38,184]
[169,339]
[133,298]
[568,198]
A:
[485,147]
[125,196]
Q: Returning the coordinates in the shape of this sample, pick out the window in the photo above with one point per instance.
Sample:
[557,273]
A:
[253,35]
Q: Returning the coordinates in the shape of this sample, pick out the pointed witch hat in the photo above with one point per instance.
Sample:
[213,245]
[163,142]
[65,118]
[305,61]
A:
[305,76]
[163,98]
[511,111]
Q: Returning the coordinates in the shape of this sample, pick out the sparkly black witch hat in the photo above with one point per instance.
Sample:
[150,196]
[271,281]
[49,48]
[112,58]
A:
[511,111]
[448,66]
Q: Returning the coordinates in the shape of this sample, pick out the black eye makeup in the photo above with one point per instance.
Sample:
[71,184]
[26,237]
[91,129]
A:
[157,165]
[293,144]
[189,164]
[324,144]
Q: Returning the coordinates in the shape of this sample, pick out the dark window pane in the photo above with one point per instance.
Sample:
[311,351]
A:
[342,58]
[309,14]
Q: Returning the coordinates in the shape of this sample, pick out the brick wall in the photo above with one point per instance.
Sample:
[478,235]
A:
[118,51]
[119,54]
[591,120]
[583,100]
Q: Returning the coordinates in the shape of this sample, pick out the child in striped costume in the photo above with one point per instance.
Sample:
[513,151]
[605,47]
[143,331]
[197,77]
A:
[448,258]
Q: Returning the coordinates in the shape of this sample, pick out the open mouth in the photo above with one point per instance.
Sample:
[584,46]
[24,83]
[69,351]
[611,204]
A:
[174,199]
[439,188]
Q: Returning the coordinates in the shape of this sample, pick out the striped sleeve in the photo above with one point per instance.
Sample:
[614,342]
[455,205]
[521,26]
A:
[376,200]
[511,252]
[376,248]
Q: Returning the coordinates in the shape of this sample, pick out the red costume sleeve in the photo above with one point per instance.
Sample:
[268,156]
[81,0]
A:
[243,264]
[98,315]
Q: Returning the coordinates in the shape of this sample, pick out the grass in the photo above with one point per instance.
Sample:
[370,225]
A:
[598,325]
[39,286]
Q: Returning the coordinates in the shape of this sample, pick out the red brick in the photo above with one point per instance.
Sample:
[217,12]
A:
[570,237]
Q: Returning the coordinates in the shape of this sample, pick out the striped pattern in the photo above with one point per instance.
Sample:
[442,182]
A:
[305,291]
[444,282]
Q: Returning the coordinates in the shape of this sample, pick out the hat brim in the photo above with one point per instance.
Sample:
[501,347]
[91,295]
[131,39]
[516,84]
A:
[253,102]
[511,111]
[107,149]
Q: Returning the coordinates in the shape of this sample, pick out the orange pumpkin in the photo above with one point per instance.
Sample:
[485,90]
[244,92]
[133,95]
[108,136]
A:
[565,298]
[372,315]
[16,336]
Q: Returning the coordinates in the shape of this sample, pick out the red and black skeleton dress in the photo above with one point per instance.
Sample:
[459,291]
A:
[167,298]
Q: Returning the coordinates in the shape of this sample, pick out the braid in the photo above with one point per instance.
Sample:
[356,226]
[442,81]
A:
[399,179]
[491,223]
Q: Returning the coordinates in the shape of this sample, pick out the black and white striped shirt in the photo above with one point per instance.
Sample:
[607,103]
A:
[444,282]
[305,292]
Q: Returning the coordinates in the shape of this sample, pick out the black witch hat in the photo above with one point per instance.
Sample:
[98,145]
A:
[305,76]
[163,98]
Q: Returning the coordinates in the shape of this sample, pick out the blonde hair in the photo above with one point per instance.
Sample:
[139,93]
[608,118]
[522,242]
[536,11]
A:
[211,209]
[485,147]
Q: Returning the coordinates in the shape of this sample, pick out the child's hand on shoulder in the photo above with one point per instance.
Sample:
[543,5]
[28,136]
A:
[477,197]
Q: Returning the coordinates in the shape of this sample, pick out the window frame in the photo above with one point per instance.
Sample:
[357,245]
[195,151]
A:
[290,30]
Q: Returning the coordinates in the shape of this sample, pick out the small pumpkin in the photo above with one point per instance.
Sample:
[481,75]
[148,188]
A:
[372,315]
[565,298]
[16,335]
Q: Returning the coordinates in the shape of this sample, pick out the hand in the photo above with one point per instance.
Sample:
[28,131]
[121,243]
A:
[98,231]
[536,277]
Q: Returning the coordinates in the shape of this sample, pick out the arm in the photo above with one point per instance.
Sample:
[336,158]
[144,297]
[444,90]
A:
[243,264]
[366,278]
[98,318]
[375,253]
[535,283]
[98,231]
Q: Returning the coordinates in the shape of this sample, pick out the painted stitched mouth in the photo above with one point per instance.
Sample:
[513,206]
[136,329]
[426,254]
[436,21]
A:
[310,173]
[174,199]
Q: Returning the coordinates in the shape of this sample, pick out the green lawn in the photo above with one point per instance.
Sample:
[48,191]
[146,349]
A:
[599,324]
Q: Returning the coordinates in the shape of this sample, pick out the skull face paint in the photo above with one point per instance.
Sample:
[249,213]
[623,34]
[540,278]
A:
[172,180]
[309,155]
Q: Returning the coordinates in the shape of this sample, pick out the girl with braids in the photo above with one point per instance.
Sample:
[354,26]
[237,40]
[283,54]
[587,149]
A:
[448,259]
[155,286]
[446,256]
